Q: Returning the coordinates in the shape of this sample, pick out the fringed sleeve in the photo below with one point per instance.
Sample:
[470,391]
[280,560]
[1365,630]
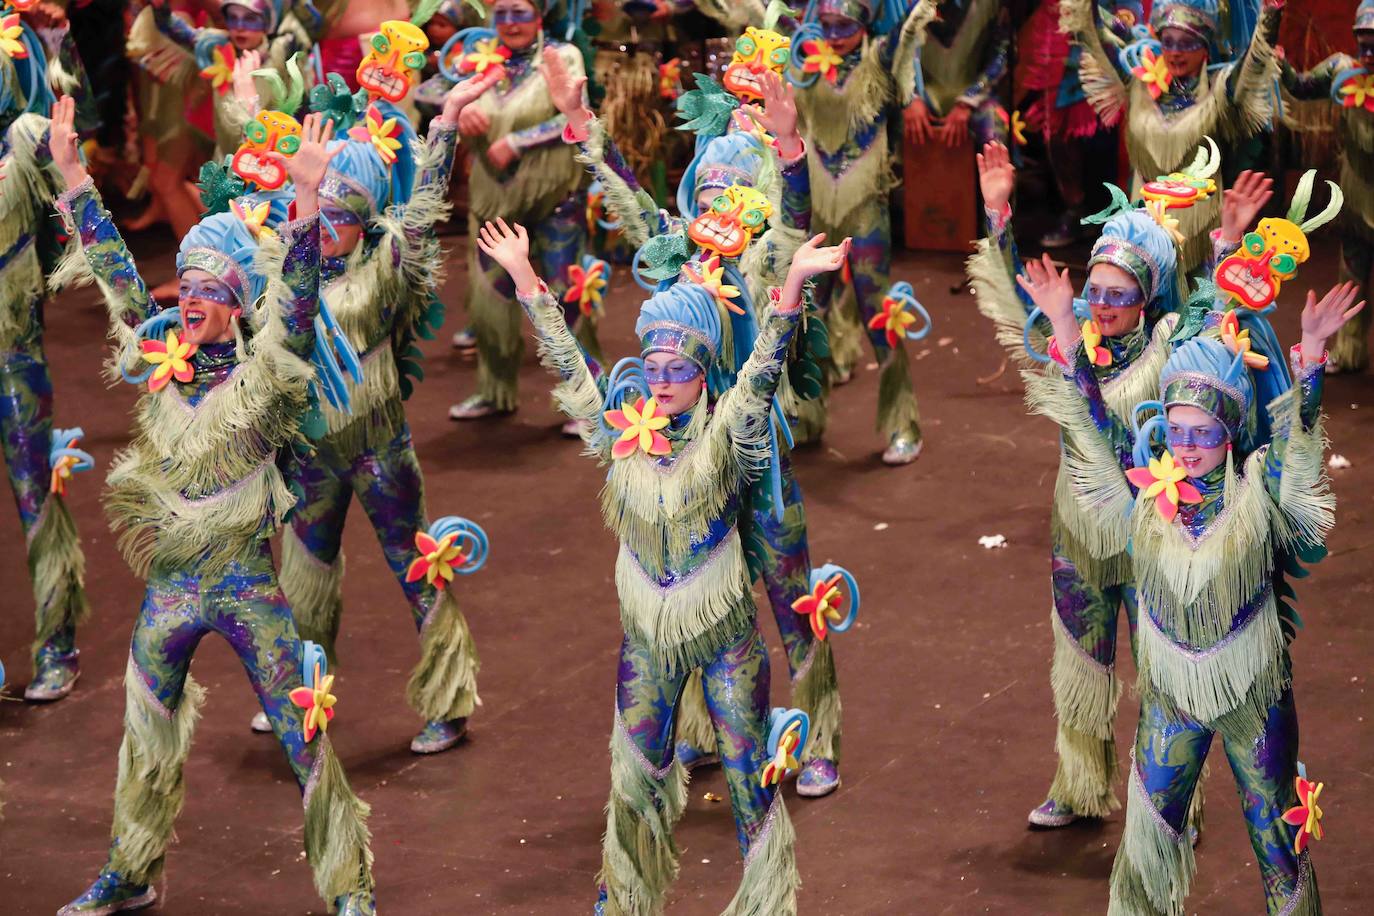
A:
[992,271]
[175,28]
[1294,473]
[300,271]
[1251,79]
[640,218]
[580,396]
[1099,69]
[740,427]
[735,15]
[906,48]
[418,258]
[1315,84]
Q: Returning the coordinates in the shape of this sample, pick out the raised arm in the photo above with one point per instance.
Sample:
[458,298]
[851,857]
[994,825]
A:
[301,236]
[1317,82]
[1104,77]
[174,27]
[1251,78]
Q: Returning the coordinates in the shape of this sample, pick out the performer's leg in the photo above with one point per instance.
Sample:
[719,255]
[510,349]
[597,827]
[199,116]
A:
[494,317]
[558,242]
[56,565]
[736,684]
[1350,349]
[443,686]
[639,859]
[312,562]
[1154,864]
[1265,770]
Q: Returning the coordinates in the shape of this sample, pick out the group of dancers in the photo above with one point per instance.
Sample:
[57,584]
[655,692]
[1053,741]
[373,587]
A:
[1191,485]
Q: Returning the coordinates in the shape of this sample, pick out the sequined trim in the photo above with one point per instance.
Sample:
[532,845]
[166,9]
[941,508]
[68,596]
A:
[1143,796]
[1200,655]
[758,841]
[227,491]
[1109,250]
[183,402]
[1072,640]
[728,539]
[658,773]
[1304,870]
[147,691]
[805,666]
[315,769]
[221,267]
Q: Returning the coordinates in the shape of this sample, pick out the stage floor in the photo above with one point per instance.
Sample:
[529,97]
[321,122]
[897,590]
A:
[949,730]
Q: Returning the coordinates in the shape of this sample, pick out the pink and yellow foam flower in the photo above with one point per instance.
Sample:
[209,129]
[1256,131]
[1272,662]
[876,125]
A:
[220,73]
[594,208]
[639,426]
[587,286]
[1238,341]
[1016,125]
[710,276]
[822,604]
[317,702]
[172,359]
[1154,73]
[1167,483]
[670,79]
[1358,92]
[485,54]
[253,216]
[893,320]
[1305,815]
[62,472]
[785,759]
[383,133]
[819,57]
[1097,354]
[1159,212]
[11,31]
[437,558]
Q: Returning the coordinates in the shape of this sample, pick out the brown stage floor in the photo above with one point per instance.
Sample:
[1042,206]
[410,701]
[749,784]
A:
[949,728]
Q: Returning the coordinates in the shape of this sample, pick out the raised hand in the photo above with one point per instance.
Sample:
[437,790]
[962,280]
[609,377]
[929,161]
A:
[1052,293]
[308,166]
[1243,202]
[63,142]
[1320,320]
[509,247]
[566,91]
[916,122]
[778,115]
[996,176]
[245,90]
[465,93]
[808,261]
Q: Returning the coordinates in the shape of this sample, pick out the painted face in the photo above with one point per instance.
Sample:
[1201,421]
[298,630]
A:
[207,306]
[247,27]
[735,217]
[756,52]
[1184,53]
[1196,439]
[842,33]
[675,382]
[1115,300]
[517,23]
[267,141]
[348,230]
[1266,257]
[1364,42]
[393,64]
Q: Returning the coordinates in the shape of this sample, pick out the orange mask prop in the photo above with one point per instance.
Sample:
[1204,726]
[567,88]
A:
[735,217]
[268,140]
[392,66]
[757,52]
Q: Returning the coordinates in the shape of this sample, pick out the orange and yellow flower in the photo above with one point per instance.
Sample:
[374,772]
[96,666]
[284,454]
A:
[819,57]
[710,275]
[11,31]
[1097,354]
[1167,483]
[317,702]
[383,133]
[437,558]
[894,320]
[1154,73]
[253,216]
[784,759]
[1305,815]
[670,79]
[220,73]
[1238,341]
[487,53]
[172,359]
[1358,92]
[639,426]
[587,286]
[822,604]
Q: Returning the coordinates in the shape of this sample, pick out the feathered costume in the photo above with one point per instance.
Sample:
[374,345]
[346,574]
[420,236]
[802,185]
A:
[194,499]
[29,250]
[383,297]
[1166,119]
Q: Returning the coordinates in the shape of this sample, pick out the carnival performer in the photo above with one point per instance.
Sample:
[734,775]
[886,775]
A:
[381,271]
[195,498]
[678,465]
[776,536]
[1207,520]
[1350,84]
[35,459]
[865,62]
[521,170]
[963,61]
[1171,95]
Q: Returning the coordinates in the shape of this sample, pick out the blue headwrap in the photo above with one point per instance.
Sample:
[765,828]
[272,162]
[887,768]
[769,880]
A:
[682,319]
[24,82]
[223,246]
[1364,16]
[735,158]
[1134,242]
[358,179]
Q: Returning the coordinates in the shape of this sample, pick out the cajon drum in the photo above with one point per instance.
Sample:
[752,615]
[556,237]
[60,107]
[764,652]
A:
[939,196]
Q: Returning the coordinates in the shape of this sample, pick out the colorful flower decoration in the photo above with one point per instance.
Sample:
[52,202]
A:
[1358,92]
[819,57]
[1167,483]
[1238,341]
[485,53]
[595,204]
[587,284]
[317,702]
[899,312]
[1097,354]
[639,425]
[823,605]
[787,734]
[1153,72]
[253,216]
[172,359]
[66,459]
[220,73]
[670,79]
[1159,212]
[438,558]
[1015,124]
[383,133]
[11,33]
[710,275]
[1305,815]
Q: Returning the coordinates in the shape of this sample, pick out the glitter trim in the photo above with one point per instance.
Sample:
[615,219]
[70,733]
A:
[147,691]
[758,841]
[623,732]
[222,267]
[805,666]
[1199,655]
[315,769]
[1143,796]
[730,537]
[227,491]
[1304,870]
[1072,640]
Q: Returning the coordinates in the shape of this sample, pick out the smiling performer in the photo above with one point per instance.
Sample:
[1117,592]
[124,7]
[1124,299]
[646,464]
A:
[672,500]
[1208,520]
[195,498]
[521,171]
[382,266]
[35,458]
[1172,95]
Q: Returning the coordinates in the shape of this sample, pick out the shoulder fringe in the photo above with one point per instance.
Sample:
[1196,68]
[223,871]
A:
[1140,380]
[639,860]
[150,788]
[832,114]
[770,883]
[626,204]
[58,570]
[1096,71]
[314,590]
[994,291]
[684,625]
[911,37]
[443,685]
[1098,554]
[1155,865]
[1304,512]
[336,834]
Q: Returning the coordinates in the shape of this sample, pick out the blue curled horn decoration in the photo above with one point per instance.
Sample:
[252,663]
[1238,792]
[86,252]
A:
[312,655]
[626,380]
[1141,452]
[807,31]
[779,721]
[334,355]
[1129,56]
[467,533]
[152,328]
[851,587]
[1026,345]
[62,440]
[903,291]
[466,38]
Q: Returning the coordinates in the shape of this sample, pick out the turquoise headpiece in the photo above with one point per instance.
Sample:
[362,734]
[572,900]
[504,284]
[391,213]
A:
[1134,242]
[224,247]
[1204,373]
[733,158]
[360,182]
[683,320]
[1364,16]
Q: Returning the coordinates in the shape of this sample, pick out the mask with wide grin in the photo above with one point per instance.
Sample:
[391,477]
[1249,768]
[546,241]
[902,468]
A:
[1267,257]
[394,60]
[267,141]
[757,51]
[736,215]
